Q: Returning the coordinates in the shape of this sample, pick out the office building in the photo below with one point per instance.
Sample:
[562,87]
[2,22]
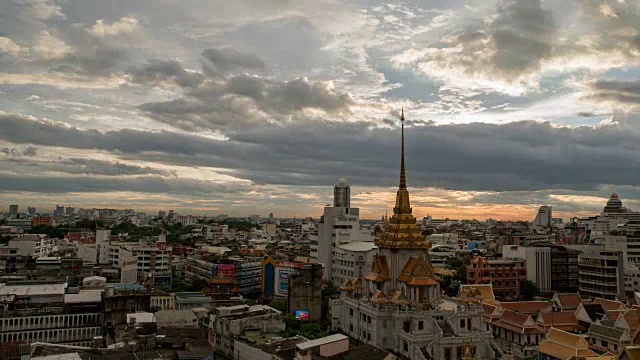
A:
[549,266]
[339,225]
[544,217]
[304,299]
[31,211]
[601,274]
[398,306]
[13,211]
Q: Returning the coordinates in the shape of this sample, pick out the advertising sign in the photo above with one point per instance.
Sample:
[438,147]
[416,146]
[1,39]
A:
[302,315]
[225,271]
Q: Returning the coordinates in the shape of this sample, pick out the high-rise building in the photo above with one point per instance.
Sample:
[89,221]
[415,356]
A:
[31,210]
[58,211]
[70,211]
[340,225]
[544,217]
[13,210]
[398,305]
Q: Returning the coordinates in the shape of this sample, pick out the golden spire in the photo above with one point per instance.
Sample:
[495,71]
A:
[403,177]
[401,230]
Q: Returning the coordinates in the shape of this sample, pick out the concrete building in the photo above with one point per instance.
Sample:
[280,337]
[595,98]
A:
[339,225]
[543,217]
[398,306]
[13,211]
[506,276]
[305,292]
[32,245]
[47,313]
[601,275]
[229,323]
[42,221]
[229,274]
[352,260]
[549,266]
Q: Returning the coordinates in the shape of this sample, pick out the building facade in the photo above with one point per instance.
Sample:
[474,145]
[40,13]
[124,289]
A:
[507,276]
[304,299]
[601,275]
[339,225]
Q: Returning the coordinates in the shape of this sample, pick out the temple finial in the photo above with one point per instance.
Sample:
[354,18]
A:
[403,178]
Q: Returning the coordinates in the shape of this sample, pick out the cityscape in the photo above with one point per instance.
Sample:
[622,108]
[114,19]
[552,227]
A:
[319,180]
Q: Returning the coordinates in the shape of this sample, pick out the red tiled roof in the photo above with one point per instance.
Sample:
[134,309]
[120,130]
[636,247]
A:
[609,304]
[569,300]
[526,307]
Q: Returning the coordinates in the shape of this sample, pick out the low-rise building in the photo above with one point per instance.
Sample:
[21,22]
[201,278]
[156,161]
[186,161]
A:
[507,276]
[561,345]
[229,323]
[48,313]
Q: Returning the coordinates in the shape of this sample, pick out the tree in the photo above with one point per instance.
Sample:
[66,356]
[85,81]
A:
[460,267]
[309,329]
[529,290]
[279,305]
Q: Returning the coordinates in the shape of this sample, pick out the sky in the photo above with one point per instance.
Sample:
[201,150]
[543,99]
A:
[256,106]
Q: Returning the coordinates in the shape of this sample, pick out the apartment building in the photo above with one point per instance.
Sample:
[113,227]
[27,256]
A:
[601,274]
[506,276]
[49,313]
[549,266]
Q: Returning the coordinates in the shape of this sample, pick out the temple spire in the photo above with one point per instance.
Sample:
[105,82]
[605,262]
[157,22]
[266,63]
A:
[403,177]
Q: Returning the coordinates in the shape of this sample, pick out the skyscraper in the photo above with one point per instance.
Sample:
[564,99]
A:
[543,218]
[13,210]
[31,210]
[339,225]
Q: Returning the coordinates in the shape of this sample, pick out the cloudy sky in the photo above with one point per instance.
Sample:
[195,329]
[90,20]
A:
[258,106]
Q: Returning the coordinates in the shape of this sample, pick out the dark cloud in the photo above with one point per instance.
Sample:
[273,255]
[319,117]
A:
[162,71]
[28,151]
[244,100]
[624,94]
[227,61]
[522,36]
[97,184]
[516,156]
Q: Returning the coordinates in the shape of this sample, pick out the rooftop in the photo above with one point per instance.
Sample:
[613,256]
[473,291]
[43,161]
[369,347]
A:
[84,296]
[33,290]
[358,246]
[322,341]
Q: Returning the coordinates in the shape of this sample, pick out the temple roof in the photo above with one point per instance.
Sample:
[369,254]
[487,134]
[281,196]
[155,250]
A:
[418,272]
[380,271]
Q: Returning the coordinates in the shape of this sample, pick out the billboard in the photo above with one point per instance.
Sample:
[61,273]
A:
[282,278]
[225,271]
[302,315]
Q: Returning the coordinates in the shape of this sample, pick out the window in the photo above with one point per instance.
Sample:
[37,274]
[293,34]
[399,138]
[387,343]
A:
[351,312]
[351,328]
[405,346]
[420,325]
[604,343]
[447,354]
[368,319]
[369,337]
[463,323]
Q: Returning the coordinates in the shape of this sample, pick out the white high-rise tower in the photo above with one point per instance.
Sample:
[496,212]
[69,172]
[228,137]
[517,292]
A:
[340,225]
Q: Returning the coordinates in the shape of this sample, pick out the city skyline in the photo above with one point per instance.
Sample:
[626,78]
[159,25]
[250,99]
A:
[212,107]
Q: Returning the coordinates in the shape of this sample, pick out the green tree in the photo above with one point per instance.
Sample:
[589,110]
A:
[309,329]
[529,290]
[279,305]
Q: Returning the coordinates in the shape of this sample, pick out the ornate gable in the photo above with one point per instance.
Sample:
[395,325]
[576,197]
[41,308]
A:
[418,272]
[380,271]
